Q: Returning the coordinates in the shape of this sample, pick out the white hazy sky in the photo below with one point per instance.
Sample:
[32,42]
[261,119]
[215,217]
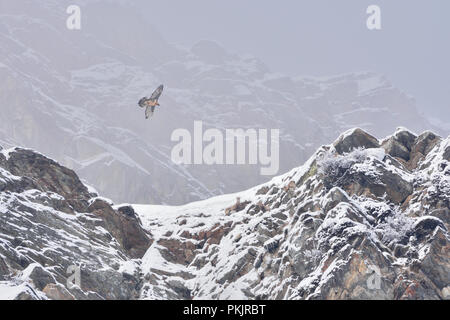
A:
[326,37]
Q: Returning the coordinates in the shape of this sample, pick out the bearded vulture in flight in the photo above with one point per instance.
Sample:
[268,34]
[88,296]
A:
[150,103]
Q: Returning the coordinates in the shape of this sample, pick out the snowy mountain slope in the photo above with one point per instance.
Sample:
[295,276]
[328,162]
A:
[50,223]
[360,220]
[73,95]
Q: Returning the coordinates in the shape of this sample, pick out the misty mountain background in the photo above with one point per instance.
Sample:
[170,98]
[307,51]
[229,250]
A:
[73,96]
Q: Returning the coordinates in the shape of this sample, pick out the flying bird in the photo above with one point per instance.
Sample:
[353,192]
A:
[150,103]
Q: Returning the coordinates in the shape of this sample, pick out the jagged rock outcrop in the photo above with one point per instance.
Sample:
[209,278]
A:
[364,219]
[355,138]
[50,221]
[361,219]
[408,148]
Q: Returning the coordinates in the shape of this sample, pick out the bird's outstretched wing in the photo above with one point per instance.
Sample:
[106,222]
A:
[141,102]
[157,93]
[149,111]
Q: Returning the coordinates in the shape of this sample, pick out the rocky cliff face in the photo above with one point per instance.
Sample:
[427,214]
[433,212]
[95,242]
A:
[51,222]
[362,219]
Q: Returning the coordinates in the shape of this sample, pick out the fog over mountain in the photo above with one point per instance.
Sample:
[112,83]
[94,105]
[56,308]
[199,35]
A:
[73,96]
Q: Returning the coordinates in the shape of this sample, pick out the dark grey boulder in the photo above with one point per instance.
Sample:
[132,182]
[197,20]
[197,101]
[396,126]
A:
[425,226]
[355,139]
[405,137]
[396,149]
[446,155]
[333,197]
[39,275]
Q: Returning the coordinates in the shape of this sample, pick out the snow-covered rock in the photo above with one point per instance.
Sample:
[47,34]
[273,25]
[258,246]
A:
[366,224]
[50,223]
[375,229]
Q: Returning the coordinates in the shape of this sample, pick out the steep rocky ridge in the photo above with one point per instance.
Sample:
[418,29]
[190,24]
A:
[363,218]
[49,221]
[359,220]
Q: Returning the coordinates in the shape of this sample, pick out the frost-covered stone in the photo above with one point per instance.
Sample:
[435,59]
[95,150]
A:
[49,224]
[357,225]
[353,139]
[355,228]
